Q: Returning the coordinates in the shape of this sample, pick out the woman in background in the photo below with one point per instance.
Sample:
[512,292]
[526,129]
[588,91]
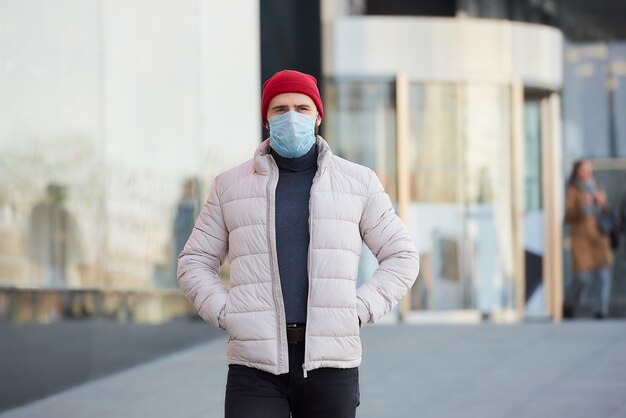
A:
[591,250]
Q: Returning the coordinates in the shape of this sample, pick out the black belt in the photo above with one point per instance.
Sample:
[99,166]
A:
[296,333]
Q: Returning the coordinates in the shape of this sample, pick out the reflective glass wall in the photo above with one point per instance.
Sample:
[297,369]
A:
[533,223]
[461,202]
[110,136]
[594,105]
[361,126]
[460,210]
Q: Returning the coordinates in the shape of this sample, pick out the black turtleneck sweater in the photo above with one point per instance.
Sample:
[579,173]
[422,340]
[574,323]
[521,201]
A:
[292,230]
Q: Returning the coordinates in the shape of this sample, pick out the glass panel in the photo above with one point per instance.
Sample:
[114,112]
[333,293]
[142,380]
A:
[104,164]
[594,101]
[532,156]
[51,190]
[460,210]
[611,177]
[533,212]
[488,199]
[361,126]
[586,127]
[617,93]
[435,209]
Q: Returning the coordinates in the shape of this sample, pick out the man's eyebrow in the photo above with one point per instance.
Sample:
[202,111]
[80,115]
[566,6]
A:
[279,107]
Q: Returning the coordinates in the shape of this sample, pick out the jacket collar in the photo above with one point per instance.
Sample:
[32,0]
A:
[263,160]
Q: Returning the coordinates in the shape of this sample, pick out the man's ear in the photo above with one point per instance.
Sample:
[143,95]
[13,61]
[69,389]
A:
[318,121]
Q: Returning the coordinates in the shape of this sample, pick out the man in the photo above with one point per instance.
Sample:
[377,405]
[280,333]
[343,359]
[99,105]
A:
[292,221]
[55,246]
[54,242]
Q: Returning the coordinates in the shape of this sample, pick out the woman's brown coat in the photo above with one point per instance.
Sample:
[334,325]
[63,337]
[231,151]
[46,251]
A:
[590,248]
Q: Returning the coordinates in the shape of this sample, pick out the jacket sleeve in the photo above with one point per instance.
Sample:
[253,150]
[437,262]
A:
[398,261]
[200,261]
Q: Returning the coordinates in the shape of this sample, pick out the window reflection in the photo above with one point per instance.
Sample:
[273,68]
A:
[361,126]
[460,214]
[532,156]
[83,239]
[532,227]
[49,202]
[436,196]
[435,144]
[488,196]
[187,210]
[54,239]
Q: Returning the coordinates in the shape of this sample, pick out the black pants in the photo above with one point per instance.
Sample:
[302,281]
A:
[325,393]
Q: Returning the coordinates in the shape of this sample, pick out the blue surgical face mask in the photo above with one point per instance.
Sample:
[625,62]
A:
[292,134]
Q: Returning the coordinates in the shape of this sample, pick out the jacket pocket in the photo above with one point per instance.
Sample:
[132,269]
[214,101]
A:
[221,319]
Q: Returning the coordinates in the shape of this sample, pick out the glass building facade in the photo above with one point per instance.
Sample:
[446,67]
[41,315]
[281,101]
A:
[466,169]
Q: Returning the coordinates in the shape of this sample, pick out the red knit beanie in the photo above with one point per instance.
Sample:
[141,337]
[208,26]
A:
[289,81]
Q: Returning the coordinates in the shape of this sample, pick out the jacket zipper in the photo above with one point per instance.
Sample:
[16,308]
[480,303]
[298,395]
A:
[308,269]
[280,327]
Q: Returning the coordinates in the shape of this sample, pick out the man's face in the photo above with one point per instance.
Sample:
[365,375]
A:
[298,102]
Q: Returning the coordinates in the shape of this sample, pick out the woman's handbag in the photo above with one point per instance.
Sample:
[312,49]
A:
[607,225]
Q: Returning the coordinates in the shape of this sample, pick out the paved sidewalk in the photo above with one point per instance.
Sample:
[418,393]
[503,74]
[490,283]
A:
[39,360]
[575,369]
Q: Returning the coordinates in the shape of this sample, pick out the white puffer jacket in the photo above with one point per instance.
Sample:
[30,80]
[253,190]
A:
[348,205]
